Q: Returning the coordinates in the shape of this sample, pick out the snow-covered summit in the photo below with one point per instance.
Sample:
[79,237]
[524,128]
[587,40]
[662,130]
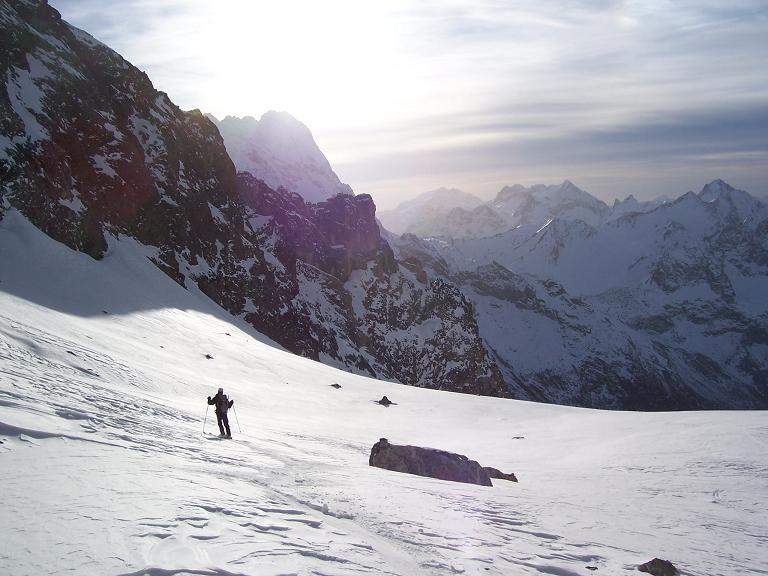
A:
[281,151]
[729,202]
[534,206]
[419,215]
[455,216]
[540,203]
[715,189]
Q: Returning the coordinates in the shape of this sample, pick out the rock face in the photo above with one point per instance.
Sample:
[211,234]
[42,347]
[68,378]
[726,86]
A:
[88,144]
[331,289]
[498,474]
[281,151]
[658,567]
[427,462]
[651,310]
[90,151]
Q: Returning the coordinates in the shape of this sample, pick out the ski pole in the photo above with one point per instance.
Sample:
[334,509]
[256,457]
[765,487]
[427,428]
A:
[206,418]
[237,420]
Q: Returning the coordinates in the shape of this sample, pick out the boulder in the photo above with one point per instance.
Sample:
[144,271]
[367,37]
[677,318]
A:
[658,567]
[427,462]
[496,473]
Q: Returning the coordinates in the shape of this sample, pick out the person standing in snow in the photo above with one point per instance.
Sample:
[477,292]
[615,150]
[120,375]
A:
[222,404]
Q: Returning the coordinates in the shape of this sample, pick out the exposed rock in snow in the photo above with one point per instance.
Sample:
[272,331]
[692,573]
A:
[658,567]
[427,462]
[497,474]
[281,151]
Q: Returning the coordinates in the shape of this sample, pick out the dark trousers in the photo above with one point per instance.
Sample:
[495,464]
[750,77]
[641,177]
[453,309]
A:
[223,422]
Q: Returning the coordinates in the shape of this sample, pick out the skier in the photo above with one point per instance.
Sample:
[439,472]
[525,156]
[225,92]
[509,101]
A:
[222,404]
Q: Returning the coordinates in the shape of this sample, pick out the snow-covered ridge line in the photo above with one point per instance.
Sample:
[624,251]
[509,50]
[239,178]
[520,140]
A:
[655,309]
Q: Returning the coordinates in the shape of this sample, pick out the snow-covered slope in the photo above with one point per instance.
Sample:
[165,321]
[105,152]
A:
[106,469]
[281,151]
[651,310]
[425,215]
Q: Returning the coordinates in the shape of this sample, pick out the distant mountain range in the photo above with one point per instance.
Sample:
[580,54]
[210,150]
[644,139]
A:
[456,214]
[658,305]
[428,213]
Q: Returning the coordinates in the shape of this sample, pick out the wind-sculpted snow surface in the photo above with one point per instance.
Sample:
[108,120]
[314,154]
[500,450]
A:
[106,468]
[659,310]
[89,150]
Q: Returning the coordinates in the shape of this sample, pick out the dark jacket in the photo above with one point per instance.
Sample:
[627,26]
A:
[221,402]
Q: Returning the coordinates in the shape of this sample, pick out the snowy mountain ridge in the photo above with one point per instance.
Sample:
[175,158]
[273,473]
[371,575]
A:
[512,207]
[281,151]
[658,308]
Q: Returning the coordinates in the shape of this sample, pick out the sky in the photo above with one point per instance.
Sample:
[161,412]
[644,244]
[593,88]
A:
[647,97]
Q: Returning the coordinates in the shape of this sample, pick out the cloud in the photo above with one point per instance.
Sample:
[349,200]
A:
[404,94]
[666,155]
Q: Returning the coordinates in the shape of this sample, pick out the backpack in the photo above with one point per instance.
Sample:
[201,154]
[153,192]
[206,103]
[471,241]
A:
[222,403]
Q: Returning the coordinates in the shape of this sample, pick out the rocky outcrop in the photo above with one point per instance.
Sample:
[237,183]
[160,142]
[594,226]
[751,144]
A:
[427,462]
[90,151]
[658,567]
[332,290]
[90,146]
[499,475]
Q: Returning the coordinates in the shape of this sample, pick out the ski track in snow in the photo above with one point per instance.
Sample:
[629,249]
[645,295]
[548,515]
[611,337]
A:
[105,469]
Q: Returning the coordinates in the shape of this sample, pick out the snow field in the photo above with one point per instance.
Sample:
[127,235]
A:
[104,467]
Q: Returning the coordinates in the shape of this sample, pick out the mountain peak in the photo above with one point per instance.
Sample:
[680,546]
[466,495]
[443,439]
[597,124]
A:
[419,214]
[281,120]
[281,151]
[715,190]
[279,116]
[628,201]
